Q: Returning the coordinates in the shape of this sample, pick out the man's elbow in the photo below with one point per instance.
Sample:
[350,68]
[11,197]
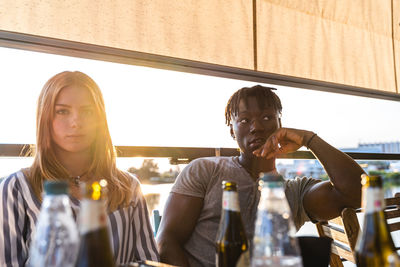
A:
[353,200]
[163,243]
[170,249]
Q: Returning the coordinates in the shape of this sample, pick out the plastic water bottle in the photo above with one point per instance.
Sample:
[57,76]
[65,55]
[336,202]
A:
[274,242]
[56,241]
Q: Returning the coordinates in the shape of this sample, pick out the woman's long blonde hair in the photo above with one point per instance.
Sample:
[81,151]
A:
[46,166]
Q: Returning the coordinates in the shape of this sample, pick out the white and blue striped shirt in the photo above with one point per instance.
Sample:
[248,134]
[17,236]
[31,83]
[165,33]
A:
[129,227]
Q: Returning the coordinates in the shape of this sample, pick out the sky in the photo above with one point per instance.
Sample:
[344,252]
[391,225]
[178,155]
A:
[152,107]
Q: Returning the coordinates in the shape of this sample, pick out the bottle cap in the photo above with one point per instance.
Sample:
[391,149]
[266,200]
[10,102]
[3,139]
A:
[371,180]
[55,187]
[96,190]
[229,185]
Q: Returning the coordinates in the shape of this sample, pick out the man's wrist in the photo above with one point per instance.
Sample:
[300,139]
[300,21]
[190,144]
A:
[310,139]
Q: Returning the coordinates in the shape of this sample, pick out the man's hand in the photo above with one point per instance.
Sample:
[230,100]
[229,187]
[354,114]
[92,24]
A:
[283,140]
[327,199]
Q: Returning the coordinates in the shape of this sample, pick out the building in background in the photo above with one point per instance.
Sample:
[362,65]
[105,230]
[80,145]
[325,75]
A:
[312,168]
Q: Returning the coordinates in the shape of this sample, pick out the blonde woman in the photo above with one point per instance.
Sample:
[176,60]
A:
[73,143]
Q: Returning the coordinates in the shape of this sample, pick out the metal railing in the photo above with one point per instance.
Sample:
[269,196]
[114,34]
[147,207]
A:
[186,154]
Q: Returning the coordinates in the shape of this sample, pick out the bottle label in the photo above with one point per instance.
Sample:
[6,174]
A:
[92,216]
[374,200]
[230,201]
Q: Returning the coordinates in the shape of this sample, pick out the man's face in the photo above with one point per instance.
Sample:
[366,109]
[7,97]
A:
[252,125]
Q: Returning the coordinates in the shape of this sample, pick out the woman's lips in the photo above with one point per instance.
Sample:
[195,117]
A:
[75,136]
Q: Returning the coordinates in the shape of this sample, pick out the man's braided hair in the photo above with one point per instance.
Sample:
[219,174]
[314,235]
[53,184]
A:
[264,95]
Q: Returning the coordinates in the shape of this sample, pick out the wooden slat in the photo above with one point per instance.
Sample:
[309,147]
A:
[348,255]
[334,234]
[394,226]
[335,261]
[337,220]
[351,226]
[390,214]
[392,201]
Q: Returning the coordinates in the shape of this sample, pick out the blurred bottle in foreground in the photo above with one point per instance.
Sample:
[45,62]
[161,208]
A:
[231,239]
[56,240]
[274,243]
[95,248]
[374,246]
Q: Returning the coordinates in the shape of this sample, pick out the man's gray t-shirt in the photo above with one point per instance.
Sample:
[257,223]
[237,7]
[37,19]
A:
[203,178]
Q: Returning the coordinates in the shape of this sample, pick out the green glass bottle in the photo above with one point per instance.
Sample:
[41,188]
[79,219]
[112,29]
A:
[374,246]
[95,247]
[231,240]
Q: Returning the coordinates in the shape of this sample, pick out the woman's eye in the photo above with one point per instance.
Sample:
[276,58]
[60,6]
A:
[266,118]
[62,111]
[243,120]
[88,112]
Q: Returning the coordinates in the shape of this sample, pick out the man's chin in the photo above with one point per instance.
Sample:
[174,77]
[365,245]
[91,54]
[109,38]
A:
[253,148]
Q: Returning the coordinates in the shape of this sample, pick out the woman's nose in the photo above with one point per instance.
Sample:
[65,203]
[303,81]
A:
[76,120]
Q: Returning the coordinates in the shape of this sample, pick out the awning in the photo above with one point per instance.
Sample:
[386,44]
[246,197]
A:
[354,45]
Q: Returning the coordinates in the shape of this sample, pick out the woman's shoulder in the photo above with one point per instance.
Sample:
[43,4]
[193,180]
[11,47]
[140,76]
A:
[135,187]
[134,179]
[13,177]
[15,181]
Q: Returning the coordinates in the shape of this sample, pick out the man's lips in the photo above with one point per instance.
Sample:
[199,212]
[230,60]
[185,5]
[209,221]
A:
[257,142]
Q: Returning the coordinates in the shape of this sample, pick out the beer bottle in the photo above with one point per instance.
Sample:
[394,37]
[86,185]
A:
[231,239]
[95,248]
[374,247]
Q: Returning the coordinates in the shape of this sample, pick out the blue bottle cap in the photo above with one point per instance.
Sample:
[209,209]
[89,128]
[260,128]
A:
[55,187]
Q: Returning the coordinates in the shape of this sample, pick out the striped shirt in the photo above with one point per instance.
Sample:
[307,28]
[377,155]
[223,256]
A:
[130,231]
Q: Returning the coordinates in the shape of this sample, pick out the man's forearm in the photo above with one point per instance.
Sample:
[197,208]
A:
[343,171]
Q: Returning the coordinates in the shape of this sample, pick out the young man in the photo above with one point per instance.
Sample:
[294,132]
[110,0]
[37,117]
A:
[190,221]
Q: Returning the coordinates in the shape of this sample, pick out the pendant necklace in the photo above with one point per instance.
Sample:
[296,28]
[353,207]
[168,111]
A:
[77,179]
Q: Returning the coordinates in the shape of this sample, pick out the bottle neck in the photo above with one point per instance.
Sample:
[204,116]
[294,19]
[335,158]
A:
[373,200]
[93,215]
[59,203]
[230,201]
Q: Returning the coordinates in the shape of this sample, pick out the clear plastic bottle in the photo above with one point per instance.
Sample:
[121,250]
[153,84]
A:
[274,242]
[56,241]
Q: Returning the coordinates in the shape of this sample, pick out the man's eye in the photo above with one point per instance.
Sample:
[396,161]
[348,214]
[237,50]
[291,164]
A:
[267,118]
[243,120]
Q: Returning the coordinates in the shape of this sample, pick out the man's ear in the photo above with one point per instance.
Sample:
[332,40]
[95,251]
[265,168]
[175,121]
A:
[231,131]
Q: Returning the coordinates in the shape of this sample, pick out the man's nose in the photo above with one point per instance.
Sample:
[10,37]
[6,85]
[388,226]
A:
[256,126]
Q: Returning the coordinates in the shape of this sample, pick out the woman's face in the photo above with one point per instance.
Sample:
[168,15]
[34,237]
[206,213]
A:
[74,124]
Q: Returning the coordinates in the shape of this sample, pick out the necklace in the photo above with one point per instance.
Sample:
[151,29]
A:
[77,179]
